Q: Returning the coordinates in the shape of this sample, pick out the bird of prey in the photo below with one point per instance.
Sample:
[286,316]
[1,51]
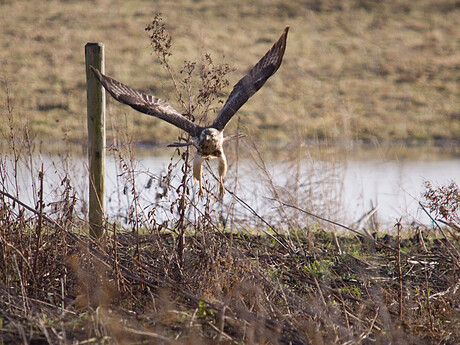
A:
[209,140]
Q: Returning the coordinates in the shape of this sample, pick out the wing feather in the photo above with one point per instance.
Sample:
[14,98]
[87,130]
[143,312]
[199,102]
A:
[146,104]
[252,81]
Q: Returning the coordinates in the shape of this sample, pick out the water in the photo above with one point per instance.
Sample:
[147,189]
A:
[341,191]
[396,186]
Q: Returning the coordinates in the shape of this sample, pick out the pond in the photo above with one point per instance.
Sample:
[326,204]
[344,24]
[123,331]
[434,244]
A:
[340,191]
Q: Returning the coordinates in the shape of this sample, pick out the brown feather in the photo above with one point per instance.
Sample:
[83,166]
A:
[207,140]
[146,104]
[252,81]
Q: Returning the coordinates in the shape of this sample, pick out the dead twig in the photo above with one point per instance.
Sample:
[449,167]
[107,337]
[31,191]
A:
[398,268]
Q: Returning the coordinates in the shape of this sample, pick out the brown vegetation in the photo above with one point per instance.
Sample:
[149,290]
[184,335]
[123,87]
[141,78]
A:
[356,69]
[204,276]
[308,287]
[189,271]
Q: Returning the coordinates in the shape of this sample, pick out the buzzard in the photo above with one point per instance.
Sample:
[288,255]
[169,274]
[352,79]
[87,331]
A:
[208,141]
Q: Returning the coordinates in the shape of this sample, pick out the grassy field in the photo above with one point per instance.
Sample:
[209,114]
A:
[173,268]
[185,270]
[352,70]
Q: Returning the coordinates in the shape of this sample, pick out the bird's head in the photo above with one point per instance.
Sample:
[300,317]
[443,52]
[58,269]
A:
[210,134]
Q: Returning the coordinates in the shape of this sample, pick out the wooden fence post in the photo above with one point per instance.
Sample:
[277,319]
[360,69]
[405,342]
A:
[95,96]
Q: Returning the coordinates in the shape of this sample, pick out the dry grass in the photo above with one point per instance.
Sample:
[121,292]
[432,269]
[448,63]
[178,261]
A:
[232,289]
[356,70]
[188,271]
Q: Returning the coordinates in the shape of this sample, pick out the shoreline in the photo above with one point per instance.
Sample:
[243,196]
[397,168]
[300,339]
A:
[277,149]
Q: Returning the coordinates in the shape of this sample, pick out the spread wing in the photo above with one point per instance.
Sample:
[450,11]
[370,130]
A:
[252,82]
[146,104]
